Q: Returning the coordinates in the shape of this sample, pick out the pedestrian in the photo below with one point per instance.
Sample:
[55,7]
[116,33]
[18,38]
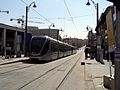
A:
[112,57]
[3,50]
[86,52]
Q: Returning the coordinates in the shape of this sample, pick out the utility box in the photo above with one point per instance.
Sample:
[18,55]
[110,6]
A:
[106,81]
[82,63]
[112,83]
[109,82]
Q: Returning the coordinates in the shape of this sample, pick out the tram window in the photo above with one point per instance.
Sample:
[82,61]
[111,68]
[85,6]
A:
[61,48]
[54,47]
[37,44]
[45,48]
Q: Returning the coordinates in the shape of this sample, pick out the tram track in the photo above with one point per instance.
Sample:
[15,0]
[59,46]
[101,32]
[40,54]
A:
[32,76]
[63,80]
[10,65]
[50,70]
[16,69]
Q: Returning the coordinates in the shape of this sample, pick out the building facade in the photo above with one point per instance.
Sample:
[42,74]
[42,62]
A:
[54,33]
[106,28]
[12,38]
[75,42]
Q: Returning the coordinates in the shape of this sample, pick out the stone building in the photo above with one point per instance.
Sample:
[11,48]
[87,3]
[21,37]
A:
[12,38]
[54,33]
[75,42]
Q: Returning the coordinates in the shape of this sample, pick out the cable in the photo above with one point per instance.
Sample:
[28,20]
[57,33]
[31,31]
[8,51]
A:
[37,12]
[74,17]
[42,16]
[70,15]
[23,2]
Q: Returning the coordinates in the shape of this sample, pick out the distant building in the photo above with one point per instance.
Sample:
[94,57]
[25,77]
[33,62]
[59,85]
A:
[12,37]
[54,33]
[75,42]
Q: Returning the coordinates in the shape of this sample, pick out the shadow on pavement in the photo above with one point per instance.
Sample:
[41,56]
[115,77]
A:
[35,61]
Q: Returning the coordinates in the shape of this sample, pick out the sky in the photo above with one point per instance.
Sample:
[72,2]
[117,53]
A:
[72,16]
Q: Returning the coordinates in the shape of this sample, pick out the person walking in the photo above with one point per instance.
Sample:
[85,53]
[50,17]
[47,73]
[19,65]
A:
[3,50]
[86,52]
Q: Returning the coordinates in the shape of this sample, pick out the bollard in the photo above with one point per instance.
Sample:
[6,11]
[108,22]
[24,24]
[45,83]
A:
[106,81]
[82,63]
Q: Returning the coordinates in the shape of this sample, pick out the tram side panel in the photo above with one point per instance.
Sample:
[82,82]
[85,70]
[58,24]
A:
[45,48]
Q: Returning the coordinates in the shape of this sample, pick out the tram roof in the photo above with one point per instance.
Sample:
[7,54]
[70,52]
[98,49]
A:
[52,39]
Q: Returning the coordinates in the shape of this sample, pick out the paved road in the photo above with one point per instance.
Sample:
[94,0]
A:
[62,74]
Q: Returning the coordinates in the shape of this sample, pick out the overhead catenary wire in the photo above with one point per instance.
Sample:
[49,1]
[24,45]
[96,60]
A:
[70,15]
[67,18]
[71,18]
[37,12]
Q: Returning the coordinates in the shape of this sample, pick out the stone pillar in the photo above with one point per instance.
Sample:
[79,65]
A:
[4,40]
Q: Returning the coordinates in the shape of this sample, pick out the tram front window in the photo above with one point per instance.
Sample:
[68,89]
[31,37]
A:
[37,44]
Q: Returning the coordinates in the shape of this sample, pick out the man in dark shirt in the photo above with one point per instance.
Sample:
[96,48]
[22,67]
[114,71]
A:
[86,52]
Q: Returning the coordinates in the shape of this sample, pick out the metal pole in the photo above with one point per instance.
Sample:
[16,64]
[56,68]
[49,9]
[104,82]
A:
[25,34]
[57,41]
[4,42]
[49,32]
[4,11]
[97,13]
[117,49]
[98,35]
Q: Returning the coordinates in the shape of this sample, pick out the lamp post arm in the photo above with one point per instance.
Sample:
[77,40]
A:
[5,11]
[89,28]
[51,25]
[97,9]
[30,5]
[93,3]
[97,13]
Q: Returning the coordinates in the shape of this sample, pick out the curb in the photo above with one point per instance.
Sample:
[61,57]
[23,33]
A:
[14,60]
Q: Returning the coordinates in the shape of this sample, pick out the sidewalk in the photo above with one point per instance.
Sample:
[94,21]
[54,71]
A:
[11,60]
[95,71]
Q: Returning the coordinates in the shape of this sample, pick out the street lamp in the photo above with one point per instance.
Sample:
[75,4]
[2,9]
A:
[98,37]
[58,33]
[96,7]
[19,20]
[25,34]
[88,28]
[51,25]
[4,11]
